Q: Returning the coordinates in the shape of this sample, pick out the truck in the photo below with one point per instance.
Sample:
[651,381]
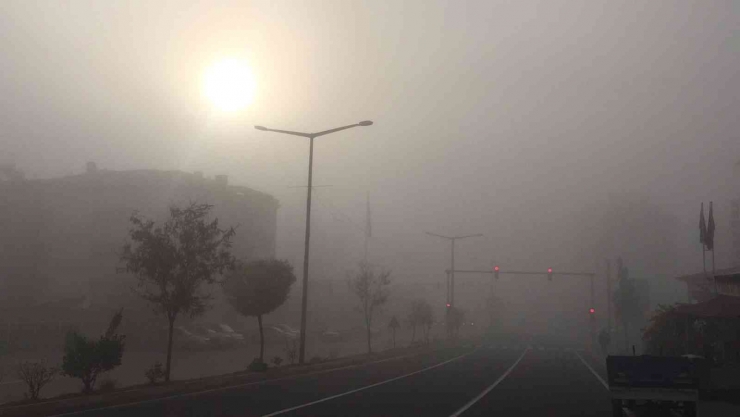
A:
[655,383]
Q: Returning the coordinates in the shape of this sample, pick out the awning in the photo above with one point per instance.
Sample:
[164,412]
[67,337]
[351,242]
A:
[721,306]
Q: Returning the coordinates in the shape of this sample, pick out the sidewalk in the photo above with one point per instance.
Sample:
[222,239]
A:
[186,387]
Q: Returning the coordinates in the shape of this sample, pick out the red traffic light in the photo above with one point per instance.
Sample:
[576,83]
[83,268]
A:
[448,305]
[495,268]
[495,271]
[549,270]
[592,310]
[549,274]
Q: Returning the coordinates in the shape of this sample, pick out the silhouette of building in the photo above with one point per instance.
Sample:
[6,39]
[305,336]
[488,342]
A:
[61,238]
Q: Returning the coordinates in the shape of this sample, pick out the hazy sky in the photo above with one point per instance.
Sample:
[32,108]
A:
[494,117]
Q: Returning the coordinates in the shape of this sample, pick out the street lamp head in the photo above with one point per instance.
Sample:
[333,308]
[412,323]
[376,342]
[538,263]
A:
[365,123]
[260,128]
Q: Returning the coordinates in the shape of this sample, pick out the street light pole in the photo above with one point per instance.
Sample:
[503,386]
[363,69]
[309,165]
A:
[452,239]
[304,298]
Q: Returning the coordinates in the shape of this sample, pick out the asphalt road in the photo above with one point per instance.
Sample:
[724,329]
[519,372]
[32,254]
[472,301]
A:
[465,381]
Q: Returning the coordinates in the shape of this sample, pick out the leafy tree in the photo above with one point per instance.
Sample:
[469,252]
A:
[370,287]
[393,325]
[666,333]
[173,262]
[87,359]
[257,288]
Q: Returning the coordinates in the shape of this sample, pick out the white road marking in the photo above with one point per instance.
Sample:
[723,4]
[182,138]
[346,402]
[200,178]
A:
[286,410]
[593,372]
[228,387]
[490,387]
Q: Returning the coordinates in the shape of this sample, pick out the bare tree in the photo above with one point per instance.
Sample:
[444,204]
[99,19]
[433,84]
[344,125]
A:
[421,314]
[174,261]
[370,286]
[393,325]
[35,375]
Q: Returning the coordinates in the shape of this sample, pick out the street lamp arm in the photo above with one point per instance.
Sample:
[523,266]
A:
[287,132]
[463,237]
[326,132]
[436,235]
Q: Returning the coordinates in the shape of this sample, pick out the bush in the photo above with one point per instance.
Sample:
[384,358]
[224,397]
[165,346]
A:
[35,375]
[257,365]
[277,360]
[87,359]
[108,385]
[155,373]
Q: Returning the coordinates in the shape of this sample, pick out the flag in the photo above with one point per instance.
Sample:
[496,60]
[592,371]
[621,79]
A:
[368,224]
[709,237]
[702,227]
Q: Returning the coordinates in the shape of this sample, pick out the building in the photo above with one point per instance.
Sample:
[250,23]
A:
[61,238]
[701,287]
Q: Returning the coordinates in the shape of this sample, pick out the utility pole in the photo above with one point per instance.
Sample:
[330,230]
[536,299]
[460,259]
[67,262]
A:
[609,294]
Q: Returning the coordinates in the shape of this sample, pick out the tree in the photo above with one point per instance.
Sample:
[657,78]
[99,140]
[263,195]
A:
[394,324]
[370,286]
[627,305]
[456,318]
[35,375]
[257,288]
[87,359]
[175,260]
[666,333]
[421,315]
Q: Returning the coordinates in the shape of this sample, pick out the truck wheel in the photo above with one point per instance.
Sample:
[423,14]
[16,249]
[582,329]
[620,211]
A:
[617,408]
[689,409]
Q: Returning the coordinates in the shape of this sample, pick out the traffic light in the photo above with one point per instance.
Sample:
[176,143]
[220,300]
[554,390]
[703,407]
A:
[495,271]
[549,274]
[448,305]
[591,311]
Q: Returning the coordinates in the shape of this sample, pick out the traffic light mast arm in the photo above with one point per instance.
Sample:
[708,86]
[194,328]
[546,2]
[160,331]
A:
[501,271]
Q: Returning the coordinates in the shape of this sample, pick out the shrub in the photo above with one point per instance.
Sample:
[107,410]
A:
[155,373]
[35,375]
[257,365]
[277,360]
[87,359]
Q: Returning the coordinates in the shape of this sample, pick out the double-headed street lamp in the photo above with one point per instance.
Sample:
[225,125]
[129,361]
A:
[451,287]
[304,301]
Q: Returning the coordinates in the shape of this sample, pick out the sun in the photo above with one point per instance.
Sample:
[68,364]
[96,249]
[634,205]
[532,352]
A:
[229,85]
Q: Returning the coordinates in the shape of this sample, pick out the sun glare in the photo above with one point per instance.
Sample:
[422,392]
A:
[229,85]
